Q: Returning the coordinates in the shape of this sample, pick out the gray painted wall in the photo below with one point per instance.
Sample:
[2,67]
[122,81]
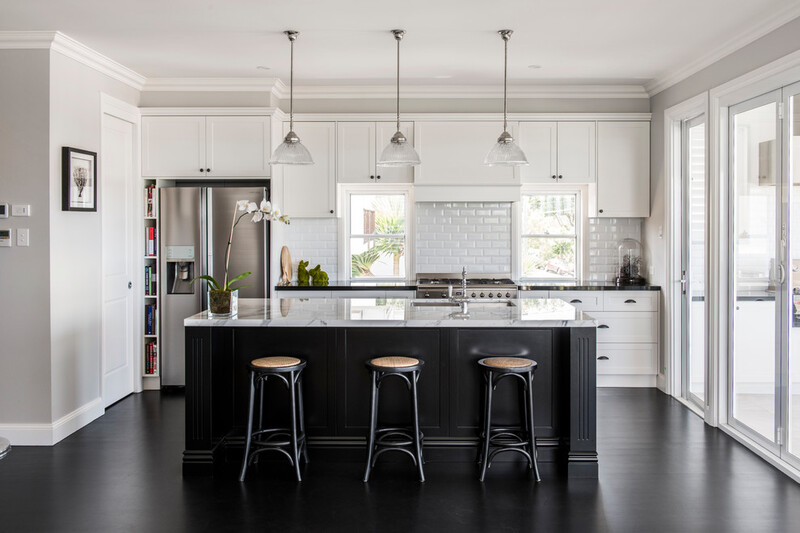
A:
[25,272]
[772,46]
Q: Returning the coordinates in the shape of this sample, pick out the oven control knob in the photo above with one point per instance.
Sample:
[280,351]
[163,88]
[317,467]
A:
[481,295]
[491,295]
[444,295]
[508,295]
[473,295]
[427,295]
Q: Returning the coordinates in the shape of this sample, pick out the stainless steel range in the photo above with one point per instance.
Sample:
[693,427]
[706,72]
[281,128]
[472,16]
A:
[478,286]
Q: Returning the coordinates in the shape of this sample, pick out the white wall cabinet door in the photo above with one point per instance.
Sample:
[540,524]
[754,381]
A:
[538,140]
[452,153]
[238,146]
[623,169]
[173,146]
[310,190]
[383,134]
[355,151]
[576,152]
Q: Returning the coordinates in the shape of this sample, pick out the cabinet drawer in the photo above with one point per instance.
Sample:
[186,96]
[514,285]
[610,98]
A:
[583,300]
[303,294]
[358,294]
[627,358]
[534,294]
[630,301]
[626,327]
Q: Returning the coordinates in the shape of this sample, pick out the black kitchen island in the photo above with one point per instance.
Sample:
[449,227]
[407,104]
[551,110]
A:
[337,336]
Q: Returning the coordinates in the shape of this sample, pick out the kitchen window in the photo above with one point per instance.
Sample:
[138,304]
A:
[550,236]
[376,234]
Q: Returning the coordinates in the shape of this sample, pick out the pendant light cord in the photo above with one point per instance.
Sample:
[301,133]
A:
[291,85]
[398,84]
[505,86]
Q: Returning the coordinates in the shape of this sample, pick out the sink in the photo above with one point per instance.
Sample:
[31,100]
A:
[425,303]
[491,303]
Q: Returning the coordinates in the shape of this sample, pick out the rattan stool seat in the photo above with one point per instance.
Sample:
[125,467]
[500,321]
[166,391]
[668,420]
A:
[394,362]
[275,362]
[508,362]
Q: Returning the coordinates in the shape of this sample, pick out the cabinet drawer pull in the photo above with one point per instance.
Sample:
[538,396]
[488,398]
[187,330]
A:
[208,170]
[378,177]
[630,301]
[555,177]
[603,358]
[576,301]
[602,326]
[372,177]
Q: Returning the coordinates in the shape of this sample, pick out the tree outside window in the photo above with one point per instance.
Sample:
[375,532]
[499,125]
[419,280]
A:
[549,236]
[377,235]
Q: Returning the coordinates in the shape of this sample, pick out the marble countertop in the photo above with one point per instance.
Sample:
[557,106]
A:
[395,312]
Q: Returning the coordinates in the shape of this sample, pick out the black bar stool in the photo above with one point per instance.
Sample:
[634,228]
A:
[289,441]
[384,439]
[508,439]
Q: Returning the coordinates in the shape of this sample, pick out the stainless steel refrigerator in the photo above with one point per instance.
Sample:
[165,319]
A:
[195,223]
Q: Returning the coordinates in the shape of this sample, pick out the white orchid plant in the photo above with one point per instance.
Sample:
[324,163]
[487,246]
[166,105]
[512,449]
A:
[265,212]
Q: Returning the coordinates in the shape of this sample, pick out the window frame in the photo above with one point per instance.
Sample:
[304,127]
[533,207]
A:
[581,223]
[345,194]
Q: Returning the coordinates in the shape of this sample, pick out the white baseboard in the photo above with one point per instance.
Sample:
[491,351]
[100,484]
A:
[630,381]
[50,434]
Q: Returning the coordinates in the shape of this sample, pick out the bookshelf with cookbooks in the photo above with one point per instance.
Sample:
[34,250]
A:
[151,363]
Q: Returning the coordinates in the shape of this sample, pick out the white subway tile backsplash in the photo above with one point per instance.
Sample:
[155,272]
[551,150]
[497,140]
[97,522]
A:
[604,237]
[476,234]
[314,240]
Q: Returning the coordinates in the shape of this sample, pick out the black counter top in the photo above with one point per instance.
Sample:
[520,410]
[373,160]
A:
[410,285]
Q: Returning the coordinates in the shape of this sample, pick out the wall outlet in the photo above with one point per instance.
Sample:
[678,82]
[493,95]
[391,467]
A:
[21,210]
[23,237]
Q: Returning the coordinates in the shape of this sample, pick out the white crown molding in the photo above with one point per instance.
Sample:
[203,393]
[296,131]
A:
[212,85]
[758,30]
[455,117]
[210,111]
[69,47]
[308,92]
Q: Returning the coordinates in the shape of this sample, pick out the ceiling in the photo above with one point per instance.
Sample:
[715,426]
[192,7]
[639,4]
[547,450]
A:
[448,42]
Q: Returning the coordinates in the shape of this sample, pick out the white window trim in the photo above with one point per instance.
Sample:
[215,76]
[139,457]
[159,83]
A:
[581,228]
[345,192]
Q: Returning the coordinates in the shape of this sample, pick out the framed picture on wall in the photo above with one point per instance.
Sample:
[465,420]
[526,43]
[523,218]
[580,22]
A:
[78,180]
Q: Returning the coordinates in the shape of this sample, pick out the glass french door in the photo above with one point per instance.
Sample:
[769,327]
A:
[764,262]
[693,282]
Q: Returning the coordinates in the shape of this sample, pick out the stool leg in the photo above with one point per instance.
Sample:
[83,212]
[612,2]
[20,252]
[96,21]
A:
[249,424]
[482,423]
[302,416]
[415,414]
[373,422]
[295,450]
[534,454]
[488,424]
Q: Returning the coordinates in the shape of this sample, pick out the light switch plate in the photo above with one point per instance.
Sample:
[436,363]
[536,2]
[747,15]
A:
[21,210]
[5,238]
[23,237]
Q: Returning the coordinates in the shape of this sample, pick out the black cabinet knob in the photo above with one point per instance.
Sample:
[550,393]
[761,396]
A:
[208,170]
[379,177]
[331,211]
[202,170]
[601,210]
[560,176]
[372,177]
[554,176]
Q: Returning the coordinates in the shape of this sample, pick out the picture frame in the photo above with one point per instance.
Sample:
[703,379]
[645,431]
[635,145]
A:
[78,179]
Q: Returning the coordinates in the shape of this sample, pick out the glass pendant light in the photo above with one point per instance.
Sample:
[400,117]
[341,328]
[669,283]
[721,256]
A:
[506,152]
[291,151]
[398,153]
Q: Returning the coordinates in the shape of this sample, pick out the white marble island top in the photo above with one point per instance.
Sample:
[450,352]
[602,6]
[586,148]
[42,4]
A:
[397,312]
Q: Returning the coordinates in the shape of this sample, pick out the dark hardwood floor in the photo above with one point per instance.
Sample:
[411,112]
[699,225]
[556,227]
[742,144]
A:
[661,469]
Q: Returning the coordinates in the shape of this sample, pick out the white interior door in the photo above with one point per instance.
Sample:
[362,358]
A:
[117,171]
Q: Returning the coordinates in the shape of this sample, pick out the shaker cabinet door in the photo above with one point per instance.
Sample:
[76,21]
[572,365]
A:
[310,190]
[173,146]
[238,146]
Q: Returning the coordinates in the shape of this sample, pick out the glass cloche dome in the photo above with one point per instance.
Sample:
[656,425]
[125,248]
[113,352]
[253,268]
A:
[630,268]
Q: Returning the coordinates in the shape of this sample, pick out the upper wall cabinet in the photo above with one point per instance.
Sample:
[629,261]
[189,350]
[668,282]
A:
[214,146]
[452,153]
[623,170]
[310,190]
[359,145]
[558,152]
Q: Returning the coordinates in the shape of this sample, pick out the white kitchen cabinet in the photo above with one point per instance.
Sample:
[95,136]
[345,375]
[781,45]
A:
[358,147]
[626,327]
[627,359]
[453,153]
[309,191]
[198,146]
[173,146]
[558,152]
[583,300]
[534,294]
[623,170]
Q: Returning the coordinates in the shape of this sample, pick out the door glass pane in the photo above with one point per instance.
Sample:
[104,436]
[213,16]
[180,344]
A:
[753,234]
[696,239]
[793,415]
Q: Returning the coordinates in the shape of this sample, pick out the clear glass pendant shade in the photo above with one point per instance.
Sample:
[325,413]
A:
[398,154]
[506,153]
[291,152]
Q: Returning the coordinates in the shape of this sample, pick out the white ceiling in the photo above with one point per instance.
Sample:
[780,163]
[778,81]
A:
[448,42]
